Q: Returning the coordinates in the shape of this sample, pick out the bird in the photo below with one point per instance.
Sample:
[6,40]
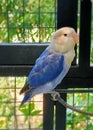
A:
[52,65]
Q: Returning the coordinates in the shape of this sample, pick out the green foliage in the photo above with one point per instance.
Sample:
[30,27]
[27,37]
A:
[78,121]
[28,110]
[27,21]
[10,112]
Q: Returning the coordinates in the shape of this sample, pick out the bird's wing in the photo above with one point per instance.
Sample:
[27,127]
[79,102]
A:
[46,69]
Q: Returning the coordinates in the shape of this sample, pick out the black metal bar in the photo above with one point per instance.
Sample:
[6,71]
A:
[67,13]
[48,112]
[20,54]
[16,57]
[85,33]
[61,114]
[77,83]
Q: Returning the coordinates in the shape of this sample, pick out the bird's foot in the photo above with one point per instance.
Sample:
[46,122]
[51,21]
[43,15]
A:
[55,95]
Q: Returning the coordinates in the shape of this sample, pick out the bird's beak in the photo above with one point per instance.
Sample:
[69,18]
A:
[75,36]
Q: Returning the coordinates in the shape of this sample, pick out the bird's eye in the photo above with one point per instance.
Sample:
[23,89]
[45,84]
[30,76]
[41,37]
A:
[65,34]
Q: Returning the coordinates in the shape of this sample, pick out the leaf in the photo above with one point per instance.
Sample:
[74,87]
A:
[40,125]
[36,112]
[24,109]
[29,109]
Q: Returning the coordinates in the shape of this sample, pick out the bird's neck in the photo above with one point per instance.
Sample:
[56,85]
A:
[69,56]
[57,48]
[61,48]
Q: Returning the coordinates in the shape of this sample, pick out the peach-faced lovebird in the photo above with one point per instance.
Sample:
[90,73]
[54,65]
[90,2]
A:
[52,65]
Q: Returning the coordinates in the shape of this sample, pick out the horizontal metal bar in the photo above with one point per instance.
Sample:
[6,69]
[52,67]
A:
[20,54]
[74,91]
[19,70]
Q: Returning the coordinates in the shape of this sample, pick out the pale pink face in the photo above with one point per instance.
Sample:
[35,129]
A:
[65,39]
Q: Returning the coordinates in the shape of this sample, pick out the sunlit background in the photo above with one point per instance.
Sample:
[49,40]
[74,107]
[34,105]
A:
[34,21]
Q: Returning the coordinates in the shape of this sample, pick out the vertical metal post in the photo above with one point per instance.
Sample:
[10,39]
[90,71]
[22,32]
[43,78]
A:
[85,32]
[66,16]
[61,115]
[48,113]
[67,13]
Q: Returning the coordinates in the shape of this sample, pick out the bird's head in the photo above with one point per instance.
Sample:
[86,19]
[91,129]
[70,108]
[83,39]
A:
[64,39]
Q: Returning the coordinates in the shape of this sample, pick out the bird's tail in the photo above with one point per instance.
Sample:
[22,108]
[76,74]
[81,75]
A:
[24,89]
[28,95]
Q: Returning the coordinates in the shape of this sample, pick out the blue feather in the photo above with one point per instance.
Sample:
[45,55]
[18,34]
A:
[48,66]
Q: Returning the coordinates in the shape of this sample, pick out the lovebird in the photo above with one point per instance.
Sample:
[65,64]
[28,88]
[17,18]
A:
[52,65]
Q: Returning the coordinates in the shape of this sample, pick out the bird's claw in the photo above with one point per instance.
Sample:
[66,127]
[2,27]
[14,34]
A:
[55,96]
